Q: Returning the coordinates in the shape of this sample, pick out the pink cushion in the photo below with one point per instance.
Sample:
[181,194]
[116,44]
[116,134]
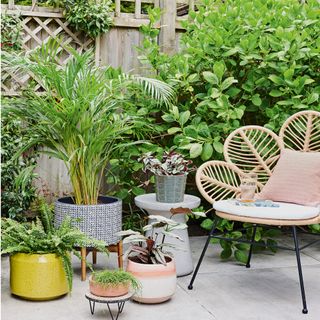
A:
[295,179]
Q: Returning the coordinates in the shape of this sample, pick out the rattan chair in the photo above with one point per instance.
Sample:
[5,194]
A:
[255,149]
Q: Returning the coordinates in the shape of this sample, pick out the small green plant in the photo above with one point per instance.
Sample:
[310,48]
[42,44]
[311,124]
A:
[148,250]
[41,237]
[113,278]
[92,17]
[11,32]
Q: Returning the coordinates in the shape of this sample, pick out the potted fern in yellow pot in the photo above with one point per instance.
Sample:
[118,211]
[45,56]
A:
[40,255]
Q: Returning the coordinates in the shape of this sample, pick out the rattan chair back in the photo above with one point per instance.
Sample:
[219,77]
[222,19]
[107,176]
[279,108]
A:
[253,149]
[301,132]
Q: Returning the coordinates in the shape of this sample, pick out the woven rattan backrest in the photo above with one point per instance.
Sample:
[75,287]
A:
[253,149]
[301,132]
[218,180]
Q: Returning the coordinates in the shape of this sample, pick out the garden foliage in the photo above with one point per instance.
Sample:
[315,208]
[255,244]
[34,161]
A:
[17,174]
[240,62]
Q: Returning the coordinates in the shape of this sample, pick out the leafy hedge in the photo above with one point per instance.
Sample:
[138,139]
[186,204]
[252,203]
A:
[241,62]
[17,192]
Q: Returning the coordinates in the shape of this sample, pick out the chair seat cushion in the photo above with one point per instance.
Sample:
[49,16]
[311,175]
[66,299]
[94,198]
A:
[285,211]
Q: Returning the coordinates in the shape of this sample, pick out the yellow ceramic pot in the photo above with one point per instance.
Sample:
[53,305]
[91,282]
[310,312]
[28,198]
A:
[37,276]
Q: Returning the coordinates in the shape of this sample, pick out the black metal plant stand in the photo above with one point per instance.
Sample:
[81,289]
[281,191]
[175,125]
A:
[252,243]
[120,301]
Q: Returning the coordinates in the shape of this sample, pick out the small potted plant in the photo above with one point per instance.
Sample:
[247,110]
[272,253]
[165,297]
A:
[40,255]
[149,262]
[170,175]
[112,283]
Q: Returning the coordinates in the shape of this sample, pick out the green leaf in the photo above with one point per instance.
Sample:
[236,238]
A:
[233,91]
[219,69]
[272,233]
[242,246]
[195,150]
[275,93]
[271,242]
[288,74]
[257,236]
[174,130]
[241,256]
[210,77]
[168,118]
[227,83]
[218,146]
[275,79]
[207,224]
[256,100]
[236,234]
[184,117]
[226,253]
[138,191]
[214,240]
[308,81]
[206,151]
[225,244]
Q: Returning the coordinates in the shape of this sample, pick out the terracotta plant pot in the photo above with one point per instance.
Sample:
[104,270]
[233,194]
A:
[107,291]
[158,281]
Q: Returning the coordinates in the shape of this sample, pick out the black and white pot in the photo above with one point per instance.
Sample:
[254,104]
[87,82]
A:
[101,221]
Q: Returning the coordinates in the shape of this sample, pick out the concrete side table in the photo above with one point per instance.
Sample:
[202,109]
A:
[182,251]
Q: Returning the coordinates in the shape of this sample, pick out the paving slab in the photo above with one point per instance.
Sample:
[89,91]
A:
[223,290]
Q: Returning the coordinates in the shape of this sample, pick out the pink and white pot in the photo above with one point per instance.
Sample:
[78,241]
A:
[158,281]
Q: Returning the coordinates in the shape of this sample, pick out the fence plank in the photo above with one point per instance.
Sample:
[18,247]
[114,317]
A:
[167,35]
[137,9]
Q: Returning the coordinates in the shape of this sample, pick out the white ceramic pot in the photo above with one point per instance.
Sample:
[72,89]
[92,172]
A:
[158,281]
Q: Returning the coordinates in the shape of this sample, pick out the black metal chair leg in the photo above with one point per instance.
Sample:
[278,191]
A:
[190,286]
[251,246]
[297,250]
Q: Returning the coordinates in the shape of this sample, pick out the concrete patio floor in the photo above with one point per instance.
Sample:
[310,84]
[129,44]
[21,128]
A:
[223,290]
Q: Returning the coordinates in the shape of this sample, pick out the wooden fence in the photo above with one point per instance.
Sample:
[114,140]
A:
[117,47]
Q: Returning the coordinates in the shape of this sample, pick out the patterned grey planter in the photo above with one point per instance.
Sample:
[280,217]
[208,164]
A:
[101,221]
[170,189]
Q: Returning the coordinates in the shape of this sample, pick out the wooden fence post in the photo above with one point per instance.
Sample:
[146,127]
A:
[167,36]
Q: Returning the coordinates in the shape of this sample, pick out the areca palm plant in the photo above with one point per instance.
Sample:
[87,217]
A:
[81,116]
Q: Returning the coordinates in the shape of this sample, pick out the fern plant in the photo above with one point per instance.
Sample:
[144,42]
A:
[41,237]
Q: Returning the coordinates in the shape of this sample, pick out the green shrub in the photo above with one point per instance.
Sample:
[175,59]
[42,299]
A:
[16,174]
[241,62]
[89,16]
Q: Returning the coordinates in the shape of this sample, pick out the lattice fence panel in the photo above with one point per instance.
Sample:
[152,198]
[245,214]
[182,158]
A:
[36,31]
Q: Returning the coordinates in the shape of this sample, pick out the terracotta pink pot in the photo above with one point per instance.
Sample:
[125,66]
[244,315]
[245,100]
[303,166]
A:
[158,281]
[107,291]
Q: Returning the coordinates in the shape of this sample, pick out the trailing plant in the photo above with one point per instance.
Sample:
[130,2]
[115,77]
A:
[92,17]
[11,32]
[81,119]
[148,250]
[41,237]
[171,163]
[17,175]
[113,278]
